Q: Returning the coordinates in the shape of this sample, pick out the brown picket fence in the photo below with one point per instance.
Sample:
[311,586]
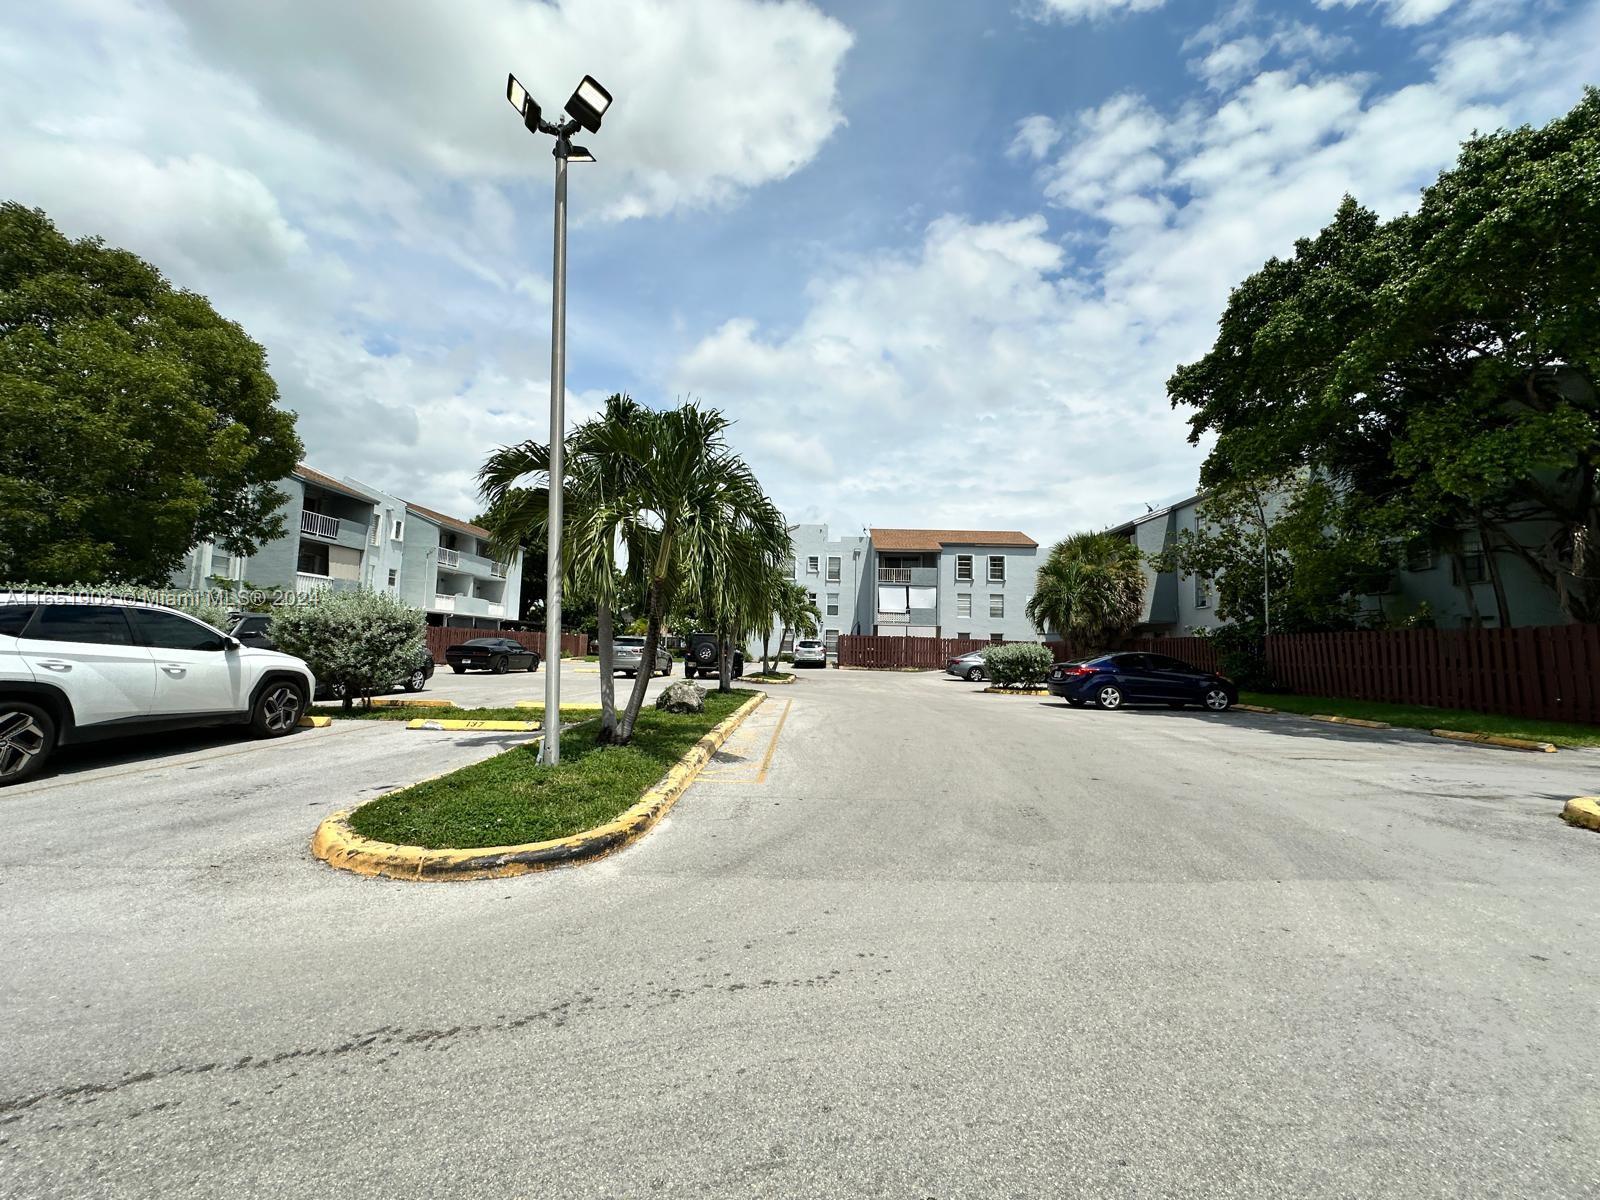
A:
[1546,672]
[440,637]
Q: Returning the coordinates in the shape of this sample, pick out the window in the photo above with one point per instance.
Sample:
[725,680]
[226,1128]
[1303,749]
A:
[169,631]
[792,567]
[313,559]
[833,604]
[963,604]
[997,568]
[997,604]
[14,619]
[373,530]
[101,624]
[1419,557]
[834,566]
[394,576]
[997,638]
[398,533]
[964,567]
[811,564]
[1202,592]
[812,597]
[830,639]
[1469,568]
[965,637]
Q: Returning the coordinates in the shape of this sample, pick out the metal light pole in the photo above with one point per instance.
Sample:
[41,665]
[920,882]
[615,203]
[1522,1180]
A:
[587,105]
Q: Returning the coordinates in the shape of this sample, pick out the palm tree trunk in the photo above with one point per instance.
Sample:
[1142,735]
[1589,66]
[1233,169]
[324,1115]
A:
[608,680]
[725,666]
[766,643]
[654,604]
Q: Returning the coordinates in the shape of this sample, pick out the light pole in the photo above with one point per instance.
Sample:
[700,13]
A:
[587,105]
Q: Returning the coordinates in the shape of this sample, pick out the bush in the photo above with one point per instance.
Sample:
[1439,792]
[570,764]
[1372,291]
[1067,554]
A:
[1018,664]
[363,640]
[1242,656]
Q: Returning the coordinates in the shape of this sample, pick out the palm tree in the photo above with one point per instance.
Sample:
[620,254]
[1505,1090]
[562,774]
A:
[797,611]
[598,509]
[1091,587]
[695,512]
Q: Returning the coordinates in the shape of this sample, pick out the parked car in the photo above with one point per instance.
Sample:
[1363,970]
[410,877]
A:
[627,653]
[414,680]
[700,657]
[87,668]
[491,654]
[1113,680]
[251,629]
[810,652]
[969,666]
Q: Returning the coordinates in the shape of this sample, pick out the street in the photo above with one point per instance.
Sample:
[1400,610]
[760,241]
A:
[900,939]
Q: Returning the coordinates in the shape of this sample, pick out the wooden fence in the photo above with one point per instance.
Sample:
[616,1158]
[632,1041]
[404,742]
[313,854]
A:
[1548,672]
[442,636]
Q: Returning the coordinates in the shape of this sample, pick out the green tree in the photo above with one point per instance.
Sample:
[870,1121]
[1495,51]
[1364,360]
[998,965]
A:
[359,642]
[1089,587]
[792,609]
[1438,370]
[134,421]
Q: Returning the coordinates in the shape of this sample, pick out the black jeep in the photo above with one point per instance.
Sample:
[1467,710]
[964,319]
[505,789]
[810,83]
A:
[700,657]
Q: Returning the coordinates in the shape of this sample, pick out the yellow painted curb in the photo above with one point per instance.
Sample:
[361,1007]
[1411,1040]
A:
[314,722]
[336,844]
[1361,721]
[1583,811]
[1000,691]
[438,725]
[766,682]
[397,702]
[1254,708]
[1494,739]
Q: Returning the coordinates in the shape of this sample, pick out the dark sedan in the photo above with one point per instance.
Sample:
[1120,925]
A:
[1113,680]
[491,654]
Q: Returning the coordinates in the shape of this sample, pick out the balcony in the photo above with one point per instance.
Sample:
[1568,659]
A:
[306,581]
[320,525]
[470,564]
[469,606]
[894,574]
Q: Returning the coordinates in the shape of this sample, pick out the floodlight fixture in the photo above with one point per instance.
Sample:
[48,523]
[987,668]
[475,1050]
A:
[589,103]
[579,154]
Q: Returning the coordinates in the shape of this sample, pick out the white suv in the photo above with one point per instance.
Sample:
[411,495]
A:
[810,652]
[74,669]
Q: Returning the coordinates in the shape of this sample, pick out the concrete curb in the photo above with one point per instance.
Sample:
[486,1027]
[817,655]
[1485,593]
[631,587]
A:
[1583,811]
[1359,721]
[419,702]
[1494,739]
[456,725]
[1000,691]
[314,722]
[336,844]
[1254,708]
[774,682]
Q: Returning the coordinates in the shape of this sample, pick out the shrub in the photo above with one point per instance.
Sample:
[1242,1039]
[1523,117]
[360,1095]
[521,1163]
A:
[363,640]
[1018,664]
[1242,656]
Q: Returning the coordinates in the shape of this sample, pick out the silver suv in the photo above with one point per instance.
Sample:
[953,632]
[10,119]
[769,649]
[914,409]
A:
[78,668]
[627,653]
[810,652]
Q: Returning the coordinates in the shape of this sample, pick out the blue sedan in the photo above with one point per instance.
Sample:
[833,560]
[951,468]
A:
[1114,680]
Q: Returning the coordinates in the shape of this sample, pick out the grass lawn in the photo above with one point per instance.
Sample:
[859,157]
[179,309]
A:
[1418,717]
[437,713]
[510,799]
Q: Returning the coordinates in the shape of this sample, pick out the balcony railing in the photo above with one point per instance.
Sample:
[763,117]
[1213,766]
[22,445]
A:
[449,558]
[304,581]
[497,569]
[894,574]
[319,525]
[444,603]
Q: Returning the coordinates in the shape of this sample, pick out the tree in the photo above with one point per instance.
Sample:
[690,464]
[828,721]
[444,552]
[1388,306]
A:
[360,642]
[1438,370]
[134,421]
[791,609]
[1090,586]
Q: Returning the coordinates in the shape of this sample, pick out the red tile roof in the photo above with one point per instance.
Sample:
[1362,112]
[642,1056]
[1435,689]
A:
[937,539]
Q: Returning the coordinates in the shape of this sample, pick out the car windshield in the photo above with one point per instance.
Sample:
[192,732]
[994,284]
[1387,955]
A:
[809,645]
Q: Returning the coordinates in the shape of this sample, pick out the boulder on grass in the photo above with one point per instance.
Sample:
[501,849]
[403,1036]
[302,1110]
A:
[682,697]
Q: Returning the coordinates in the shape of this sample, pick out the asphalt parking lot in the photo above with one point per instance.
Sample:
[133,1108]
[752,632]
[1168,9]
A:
[900,939]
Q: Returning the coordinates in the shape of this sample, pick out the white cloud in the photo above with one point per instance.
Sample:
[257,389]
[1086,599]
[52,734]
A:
[987,377]
[1398,12]
[1090,10]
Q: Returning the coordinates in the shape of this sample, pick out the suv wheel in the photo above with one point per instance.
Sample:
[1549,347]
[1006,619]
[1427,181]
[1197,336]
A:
[277,709]
[27,736]
[417,680]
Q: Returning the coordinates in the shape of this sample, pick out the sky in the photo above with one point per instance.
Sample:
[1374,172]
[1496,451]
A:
[936,258]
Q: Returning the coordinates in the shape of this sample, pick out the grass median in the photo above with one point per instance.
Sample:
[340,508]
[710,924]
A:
[511,799]
[1416,716]
[429,712]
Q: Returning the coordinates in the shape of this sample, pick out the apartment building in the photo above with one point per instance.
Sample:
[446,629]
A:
[341,534]
[1177,605]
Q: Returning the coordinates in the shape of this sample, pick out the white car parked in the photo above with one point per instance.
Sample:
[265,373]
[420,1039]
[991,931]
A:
[627,652]
[79,668]
[810,652]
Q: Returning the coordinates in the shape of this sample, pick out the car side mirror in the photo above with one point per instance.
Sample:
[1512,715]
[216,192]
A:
[229,642]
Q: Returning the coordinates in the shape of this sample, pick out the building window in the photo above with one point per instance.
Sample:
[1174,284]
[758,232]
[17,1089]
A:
[1469,568]
[997,638]
[1419,557]
[833,604]
[374,530]
[964,567]
[812,596]
[1202,592]
[963,604]
[834,567]
[398,533]
[811,567]
[793,565]
[394,576]
[965,637]
[997,604]
[997,568]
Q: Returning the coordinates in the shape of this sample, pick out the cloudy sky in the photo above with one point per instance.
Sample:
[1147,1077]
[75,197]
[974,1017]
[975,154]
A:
[936,257]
